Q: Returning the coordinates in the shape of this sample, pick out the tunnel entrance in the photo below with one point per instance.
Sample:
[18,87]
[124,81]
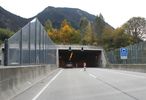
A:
[78,57]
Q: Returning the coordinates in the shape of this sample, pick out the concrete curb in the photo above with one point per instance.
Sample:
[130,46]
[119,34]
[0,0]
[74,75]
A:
[128,67]
[15,80]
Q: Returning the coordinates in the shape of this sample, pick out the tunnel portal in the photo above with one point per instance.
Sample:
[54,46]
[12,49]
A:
[78,57]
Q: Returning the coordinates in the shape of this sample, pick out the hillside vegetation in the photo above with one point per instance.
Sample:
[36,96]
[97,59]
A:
[74,26]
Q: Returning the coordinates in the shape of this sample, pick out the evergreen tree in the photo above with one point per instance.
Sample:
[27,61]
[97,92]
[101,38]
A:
[48,25]
[99,26]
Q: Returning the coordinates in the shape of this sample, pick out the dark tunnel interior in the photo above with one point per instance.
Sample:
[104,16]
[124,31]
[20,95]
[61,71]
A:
[78,57]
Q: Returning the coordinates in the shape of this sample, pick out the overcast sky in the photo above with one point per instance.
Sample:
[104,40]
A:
[115,12]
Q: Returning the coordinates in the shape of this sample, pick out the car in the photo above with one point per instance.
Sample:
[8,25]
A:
[69,65]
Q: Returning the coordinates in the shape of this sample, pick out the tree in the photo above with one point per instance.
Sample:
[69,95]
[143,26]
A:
[87,37]
[5,34]
[85,30]
[83,25]
[93,36]
[63,23]
[136,27]
[120,38]
[99,26]
[55,35]
[76,37]
[52,36]
[107,38]
[48,25]
[66,34]
[70,35]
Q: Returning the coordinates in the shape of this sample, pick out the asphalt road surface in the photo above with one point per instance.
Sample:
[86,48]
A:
[92,84]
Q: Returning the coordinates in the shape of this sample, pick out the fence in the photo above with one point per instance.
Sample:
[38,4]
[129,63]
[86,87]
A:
[136,54]
[31,45]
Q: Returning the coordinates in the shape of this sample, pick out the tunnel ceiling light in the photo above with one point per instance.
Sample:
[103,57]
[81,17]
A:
[82,49]
[69,48]
[70,56]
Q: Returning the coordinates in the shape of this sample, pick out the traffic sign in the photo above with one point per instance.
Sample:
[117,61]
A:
[123,53]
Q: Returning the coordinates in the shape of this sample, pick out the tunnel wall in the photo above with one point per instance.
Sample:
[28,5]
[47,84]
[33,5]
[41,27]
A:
[15,80]
[104,59]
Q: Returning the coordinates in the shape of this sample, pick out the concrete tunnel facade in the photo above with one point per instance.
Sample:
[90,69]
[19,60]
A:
[94,56]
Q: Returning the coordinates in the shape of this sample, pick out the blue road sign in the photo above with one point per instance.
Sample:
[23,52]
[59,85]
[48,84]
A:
[123,53]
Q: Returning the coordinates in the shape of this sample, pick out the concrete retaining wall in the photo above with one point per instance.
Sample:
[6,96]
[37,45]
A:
[14,80]
[129,67]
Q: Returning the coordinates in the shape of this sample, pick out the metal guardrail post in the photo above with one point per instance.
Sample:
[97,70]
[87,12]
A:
[40,43]
[20,47]
[35,42]
[29,44]
[6,53]
[140,53]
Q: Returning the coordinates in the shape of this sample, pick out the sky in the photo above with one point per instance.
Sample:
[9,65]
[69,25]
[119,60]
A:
[115,12]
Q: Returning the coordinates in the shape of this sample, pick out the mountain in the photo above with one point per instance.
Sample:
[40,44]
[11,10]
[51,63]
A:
[9,20]
[55,15]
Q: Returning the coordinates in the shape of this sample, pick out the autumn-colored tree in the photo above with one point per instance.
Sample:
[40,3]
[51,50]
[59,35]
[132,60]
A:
[63,24]
[93,37]
[113,39]
[52,36]
[120,38]
[70,35]
[66,34]
[87,37]
[76,36]
[107,38]
[55,35]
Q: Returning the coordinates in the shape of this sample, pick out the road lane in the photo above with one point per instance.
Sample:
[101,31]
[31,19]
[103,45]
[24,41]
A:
[132,84]
[73,84]
[46,86]
[93,84]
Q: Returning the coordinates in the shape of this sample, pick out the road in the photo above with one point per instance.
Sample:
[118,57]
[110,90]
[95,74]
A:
[93,84]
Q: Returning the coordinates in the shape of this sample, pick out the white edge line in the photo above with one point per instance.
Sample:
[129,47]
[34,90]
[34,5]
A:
[46,86]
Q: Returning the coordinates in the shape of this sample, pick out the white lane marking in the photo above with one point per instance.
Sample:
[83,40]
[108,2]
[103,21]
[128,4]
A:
[28,82]
[92,75]
[124,74]
[81,70]
[46,86]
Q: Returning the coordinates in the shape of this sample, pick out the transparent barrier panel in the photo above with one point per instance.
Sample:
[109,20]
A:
[31,45]
[32,41]
[25,45]
[42,45]
[14,49]
[38,43]
[136,54]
